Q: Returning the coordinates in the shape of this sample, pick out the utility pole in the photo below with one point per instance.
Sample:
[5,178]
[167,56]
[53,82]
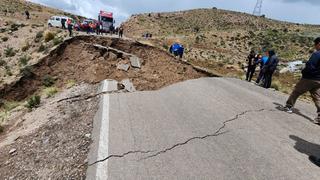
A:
[258,7]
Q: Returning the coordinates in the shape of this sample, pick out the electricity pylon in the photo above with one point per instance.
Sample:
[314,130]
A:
[258,7]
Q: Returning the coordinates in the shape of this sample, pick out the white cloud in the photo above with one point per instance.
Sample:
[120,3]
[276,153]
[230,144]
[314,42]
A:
[302,11]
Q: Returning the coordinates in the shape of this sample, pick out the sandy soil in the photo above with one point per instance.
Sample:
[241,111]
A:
[51,141]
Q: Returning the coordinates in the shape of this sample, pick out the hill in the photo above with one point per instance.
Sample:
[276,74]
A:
[22,41]
[221,40]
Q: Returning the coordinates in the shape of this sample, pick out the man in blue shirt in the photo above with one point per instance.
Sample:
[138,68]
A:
[310,82]
[177,49]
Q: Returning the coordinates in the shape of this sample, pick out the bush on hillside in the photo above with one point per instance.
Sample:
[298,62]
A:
[9,52]
[48,36]
[33,102]
[48,81]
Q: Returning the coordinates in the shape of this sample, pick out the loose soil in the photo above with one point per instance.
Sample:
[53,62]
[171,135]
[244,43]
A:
[51,142]
[77,59]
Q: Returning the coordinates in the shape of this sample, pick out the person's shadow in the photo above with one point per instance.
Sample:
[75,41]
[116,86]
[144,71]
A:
[308,148]
[295,111]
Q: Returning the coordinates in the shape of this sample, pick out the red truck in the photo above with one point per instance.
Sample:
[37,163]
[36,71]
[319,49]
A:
[107,21]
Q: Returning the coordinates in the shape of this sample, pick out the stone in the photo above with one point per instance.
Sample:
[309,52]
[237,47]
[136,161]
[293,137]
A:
[124,67]
[135,62]
[12,151]
[112,56]
[88,135]
[128,85]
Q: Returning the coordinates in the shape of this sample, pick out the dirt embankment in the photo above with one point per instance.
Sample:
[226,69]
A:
[78,59]
[52,141]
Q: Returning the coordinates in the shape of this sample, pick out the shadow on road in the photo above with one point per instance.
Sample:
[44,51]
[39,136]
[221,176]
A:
[295,111]
[308,148]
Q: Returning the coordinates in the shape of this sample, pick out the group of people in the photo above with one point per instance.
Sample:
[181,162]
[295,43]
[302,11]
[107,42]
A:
[310,81]
[268,64]
[93,27]
[69,25]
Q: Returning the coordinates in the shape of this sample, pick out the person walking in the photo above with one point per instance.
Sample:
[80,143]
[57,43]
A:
[269,68]
[120,32]
[98,31]
[310,81]
[63,23]
[70,27]
[27,14]
[251,64]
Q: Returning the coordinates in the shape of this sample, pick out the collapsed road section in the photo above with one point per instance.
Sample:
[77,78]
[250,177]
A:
[92,59]
[52,139]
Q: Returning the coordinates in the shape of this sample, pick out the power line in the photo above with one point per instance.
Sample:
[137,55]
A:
[258,7]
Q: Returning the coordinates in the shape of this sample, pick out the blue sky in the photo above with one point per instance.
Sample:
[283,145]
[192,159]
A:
[301,11]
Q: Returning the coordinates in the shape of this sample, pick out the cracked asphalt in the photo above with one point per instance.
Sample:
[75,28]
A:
[209,128]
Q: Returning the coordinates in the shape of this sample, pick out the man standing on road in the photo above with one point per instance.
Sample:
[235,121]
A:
[262,62]
[120,32]
[251,65]
[270,68]
[310,82]
[70,27]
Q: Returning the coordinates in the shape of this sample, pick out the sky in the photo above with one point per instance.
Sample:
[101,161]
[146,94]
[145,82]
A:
[299,11]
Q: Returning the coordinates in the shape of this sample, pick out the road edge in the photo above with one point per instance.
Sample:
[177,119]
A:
[100,134]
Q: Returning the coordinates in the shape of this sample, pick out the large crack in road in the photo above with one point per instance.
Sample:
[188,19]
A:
[218,132]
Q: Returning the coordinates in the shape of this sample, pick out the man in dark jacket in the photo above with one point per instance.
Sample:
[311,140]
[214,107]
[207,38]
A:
[270,67]
[251,65]
[310,82]
[27,14]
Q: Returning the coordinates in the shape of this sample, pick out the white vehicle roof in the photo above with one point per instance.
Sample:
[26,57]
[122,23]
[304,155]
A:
[65,17]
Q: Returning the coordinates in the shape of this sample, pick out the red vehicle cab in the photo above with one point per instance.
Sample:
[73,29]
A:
[106,20]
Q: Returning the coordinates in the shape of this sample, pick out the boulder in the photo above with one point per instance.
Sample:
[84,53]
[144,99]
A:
[135,62]
[124,67]
[128,85]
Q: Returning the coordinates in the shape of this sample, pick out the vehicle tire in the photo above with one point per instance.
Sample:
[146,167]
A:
[49,25]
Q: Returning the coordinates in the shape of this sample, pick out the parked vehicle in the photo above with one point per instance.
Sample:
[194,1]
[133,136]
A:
[55,21]
[106,20]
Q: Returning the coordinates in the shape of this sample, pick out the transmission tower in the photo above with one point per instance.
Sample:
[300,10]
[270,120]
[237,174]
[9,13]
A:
[258,7]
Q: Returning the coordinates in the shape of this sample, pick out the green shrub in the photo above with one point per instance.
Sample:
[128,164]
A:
[166,47]
[24,60]
[57,40]
[9,52]
[48,36]
[70,83]
[25,47]
[9,105]
[33,102]
[3,62]
[8,70]
[26,72]
[42,48]
[4,39]
[50,91]
[39,35]
[48,81]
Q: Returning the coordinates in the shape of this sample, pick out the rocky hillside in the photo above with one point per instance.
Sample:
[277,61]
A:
[22,41]
[221,39]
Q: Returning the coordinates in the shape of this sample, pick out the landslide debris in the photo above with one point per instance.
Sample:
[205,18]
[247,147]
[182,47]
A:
[92,59]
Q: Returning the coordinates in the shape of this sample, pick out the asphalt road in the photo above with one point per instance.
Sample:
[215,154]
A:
[210,128]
